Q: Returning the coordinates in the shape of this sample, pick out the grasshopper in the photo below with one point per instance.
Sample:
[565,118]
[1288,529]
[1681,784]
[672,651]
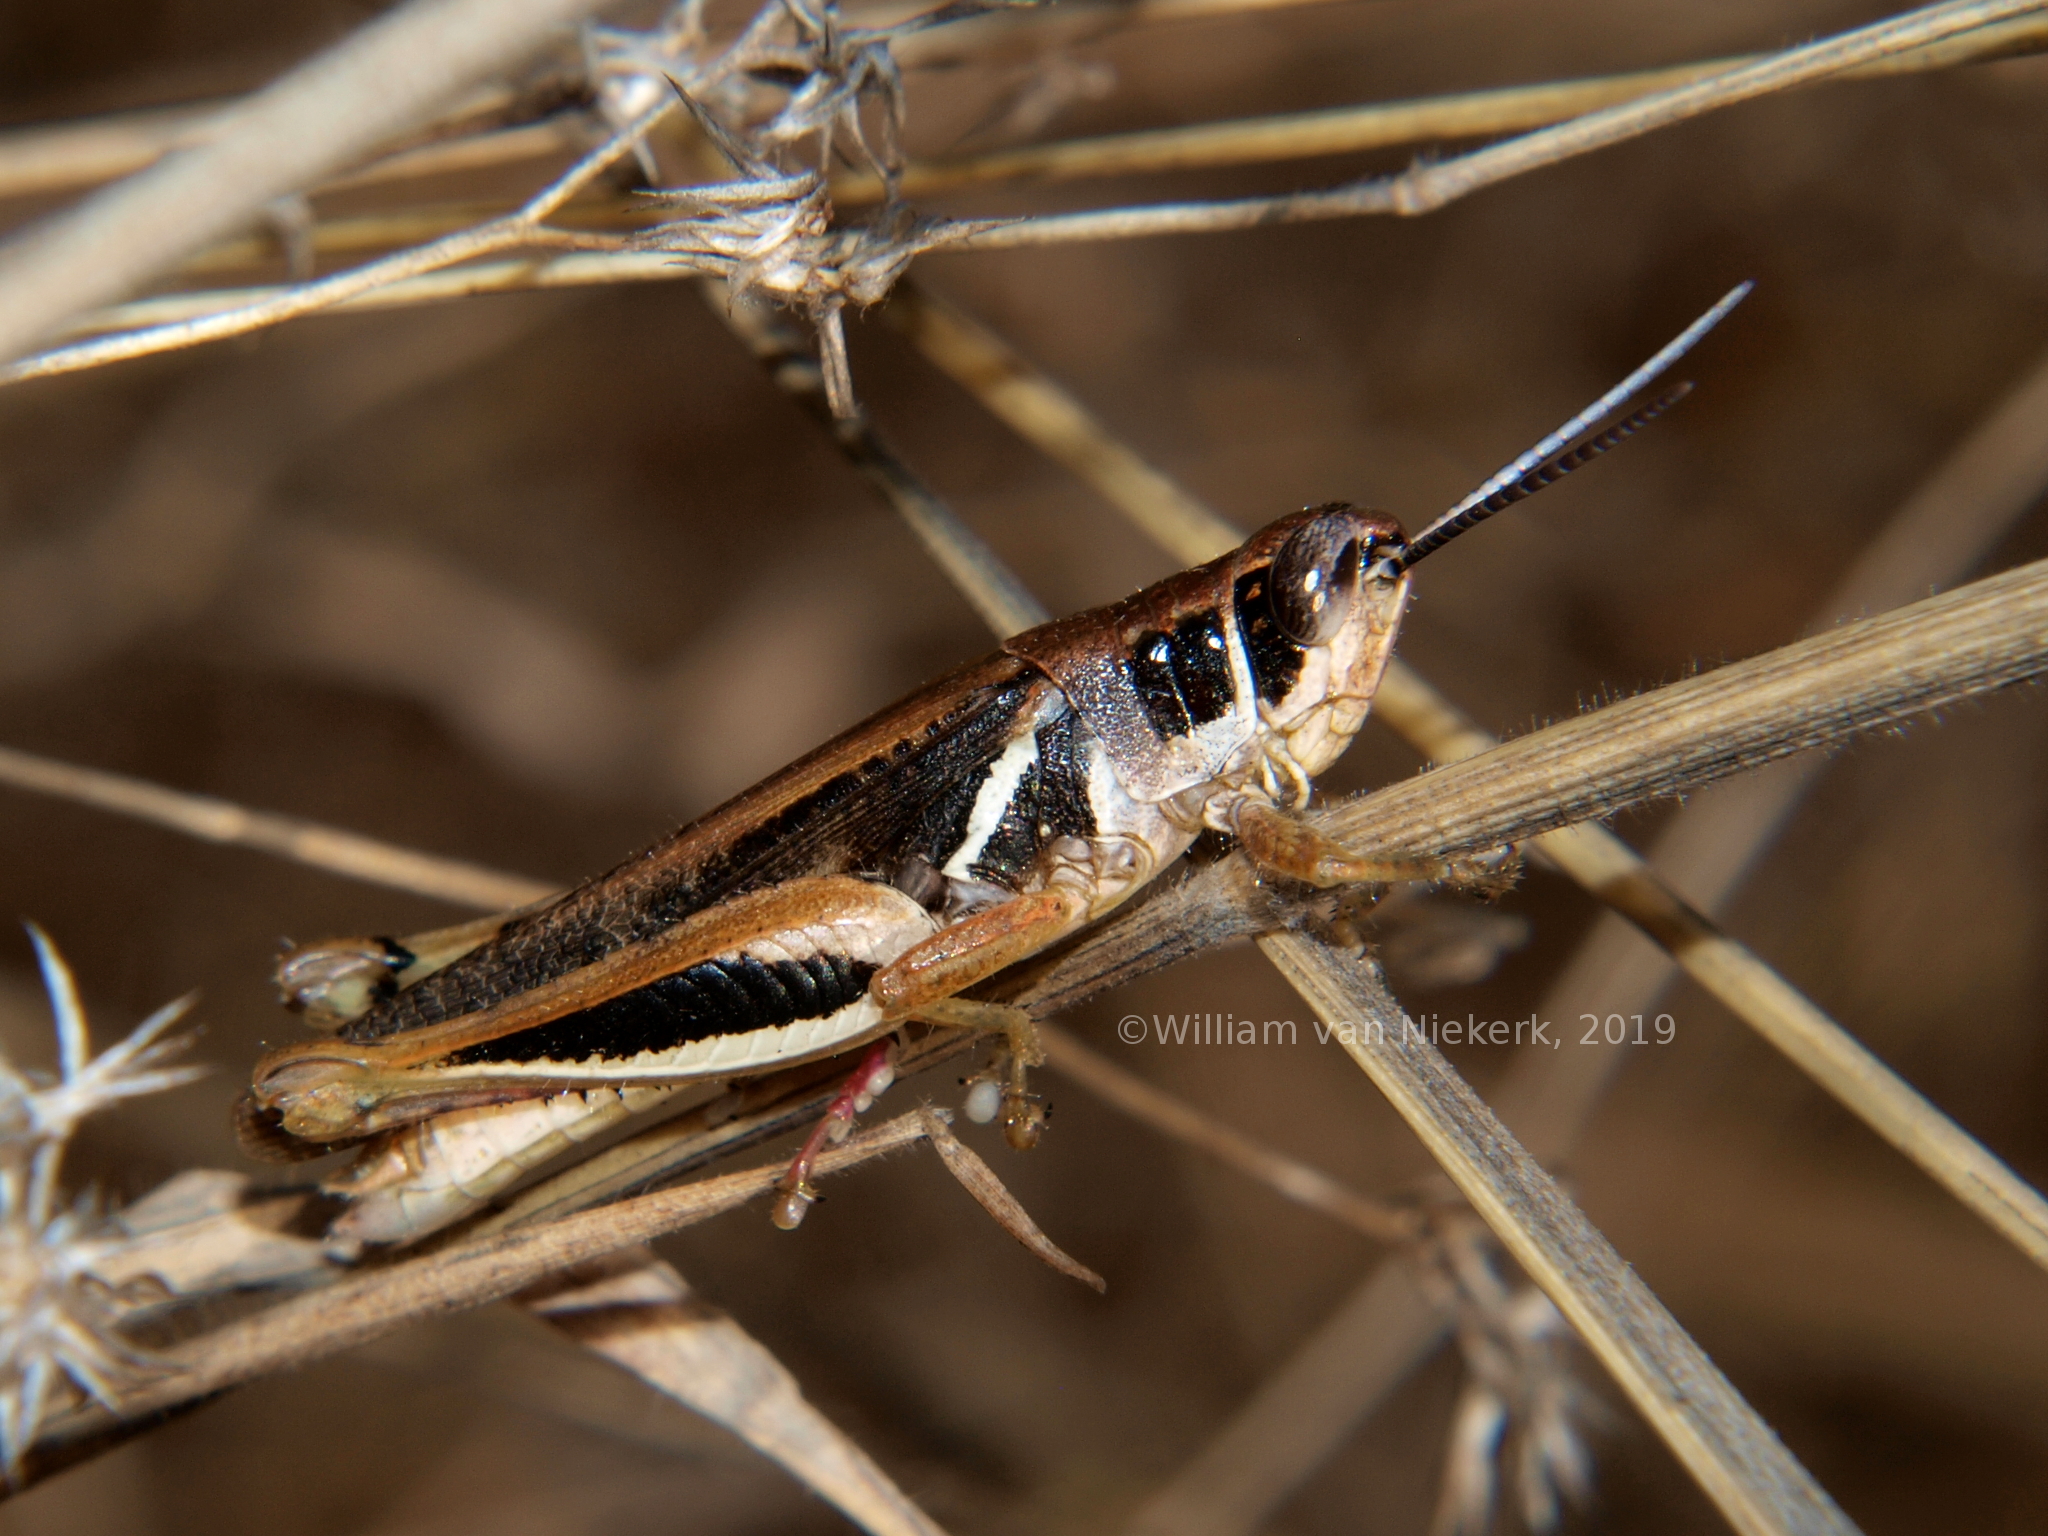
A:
[876,881]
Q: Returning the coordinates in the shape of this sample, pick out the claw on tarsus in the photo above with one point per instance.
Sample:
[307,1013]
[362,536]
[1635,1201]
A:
[1024,1120]
[794,1192]
[1000,1093]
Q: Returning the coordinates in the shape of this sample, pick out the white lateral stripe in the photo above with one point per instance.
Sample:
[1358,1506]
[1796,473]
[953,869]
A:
[997,790]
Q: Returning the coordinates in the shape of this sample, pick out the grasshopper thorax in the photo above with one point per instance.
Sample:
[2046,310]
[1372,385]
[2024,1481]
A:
[1260,665]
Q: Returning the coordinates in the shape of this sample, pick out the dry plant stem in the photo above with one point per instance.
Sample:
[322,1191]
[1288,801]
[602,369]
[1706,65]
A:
[1813,693]
[1418,191]
[1733,1455]
[1995,630]
[966,40]
[290,303]
[1002,601]
[83,153]
[58,156]
[639,1313]
[524,228]
[980,1181]
[378,232]
[472,152]
[1941,531]
[1296,1181]
[584,270]
[1383,125]
[289,837]
[1338,131]
[381,81]
[1429,188]
[371,1304]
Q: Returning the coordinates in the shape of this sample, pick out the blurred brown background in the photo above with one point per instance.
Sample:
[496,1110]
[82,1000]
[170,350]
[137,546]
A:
[531,580]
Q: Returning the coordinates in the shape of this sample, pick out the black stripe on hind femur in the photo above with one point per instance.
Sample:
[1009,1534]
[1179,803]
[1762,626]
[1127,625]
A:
[719,997]
[1183,679]
[1275,659]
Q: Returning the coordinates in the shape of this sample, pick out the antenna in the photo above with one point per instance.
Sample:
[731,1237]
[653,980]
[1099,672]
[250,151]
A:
[1569,446]
[1546,472]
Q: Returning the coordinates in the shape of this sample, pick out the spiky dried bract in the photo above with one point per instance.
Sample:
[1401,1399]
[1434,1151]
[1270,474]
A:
[58,1323]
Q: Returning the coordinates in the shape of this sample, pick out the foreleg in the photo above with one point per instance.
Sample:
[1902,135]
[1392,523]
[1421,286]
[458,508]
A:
[1283,844]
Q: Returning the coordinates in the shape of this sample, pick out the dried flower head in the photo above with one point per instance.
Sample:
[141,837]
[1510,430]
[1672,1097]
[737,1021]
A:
[57,1322]
[795,89]
[1520,1403]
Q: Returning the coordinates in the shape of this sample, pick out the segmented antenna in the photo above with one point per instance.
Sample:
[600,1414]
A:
[1547,472]
[1562,443]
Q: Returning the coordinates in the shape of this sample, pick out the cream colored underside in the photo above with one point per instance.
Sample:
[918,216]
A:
[437,1172]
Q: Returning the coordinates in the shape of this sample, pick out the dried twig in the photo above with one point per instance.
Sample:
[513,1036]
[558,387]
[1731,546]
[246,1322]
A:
[405,278]
[758,224]
[526,227]
[1285,1176]
[1730,1451]
[1943,529]
[55,157]
[1383,125]
[368,1305]
[1428,188]
[377,83]
[1814,693]
[214,820]
[61,156]
[637,1312]
[980,1181]
[582,270]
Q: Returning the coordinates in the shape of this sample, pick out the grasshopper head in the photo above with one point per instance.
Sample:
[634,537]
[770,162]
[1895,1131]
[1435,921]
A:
[1318,605]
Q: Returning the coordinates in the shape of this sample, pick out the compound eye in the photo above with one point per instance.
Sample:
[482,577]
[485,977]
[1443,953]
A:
[1315,580]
